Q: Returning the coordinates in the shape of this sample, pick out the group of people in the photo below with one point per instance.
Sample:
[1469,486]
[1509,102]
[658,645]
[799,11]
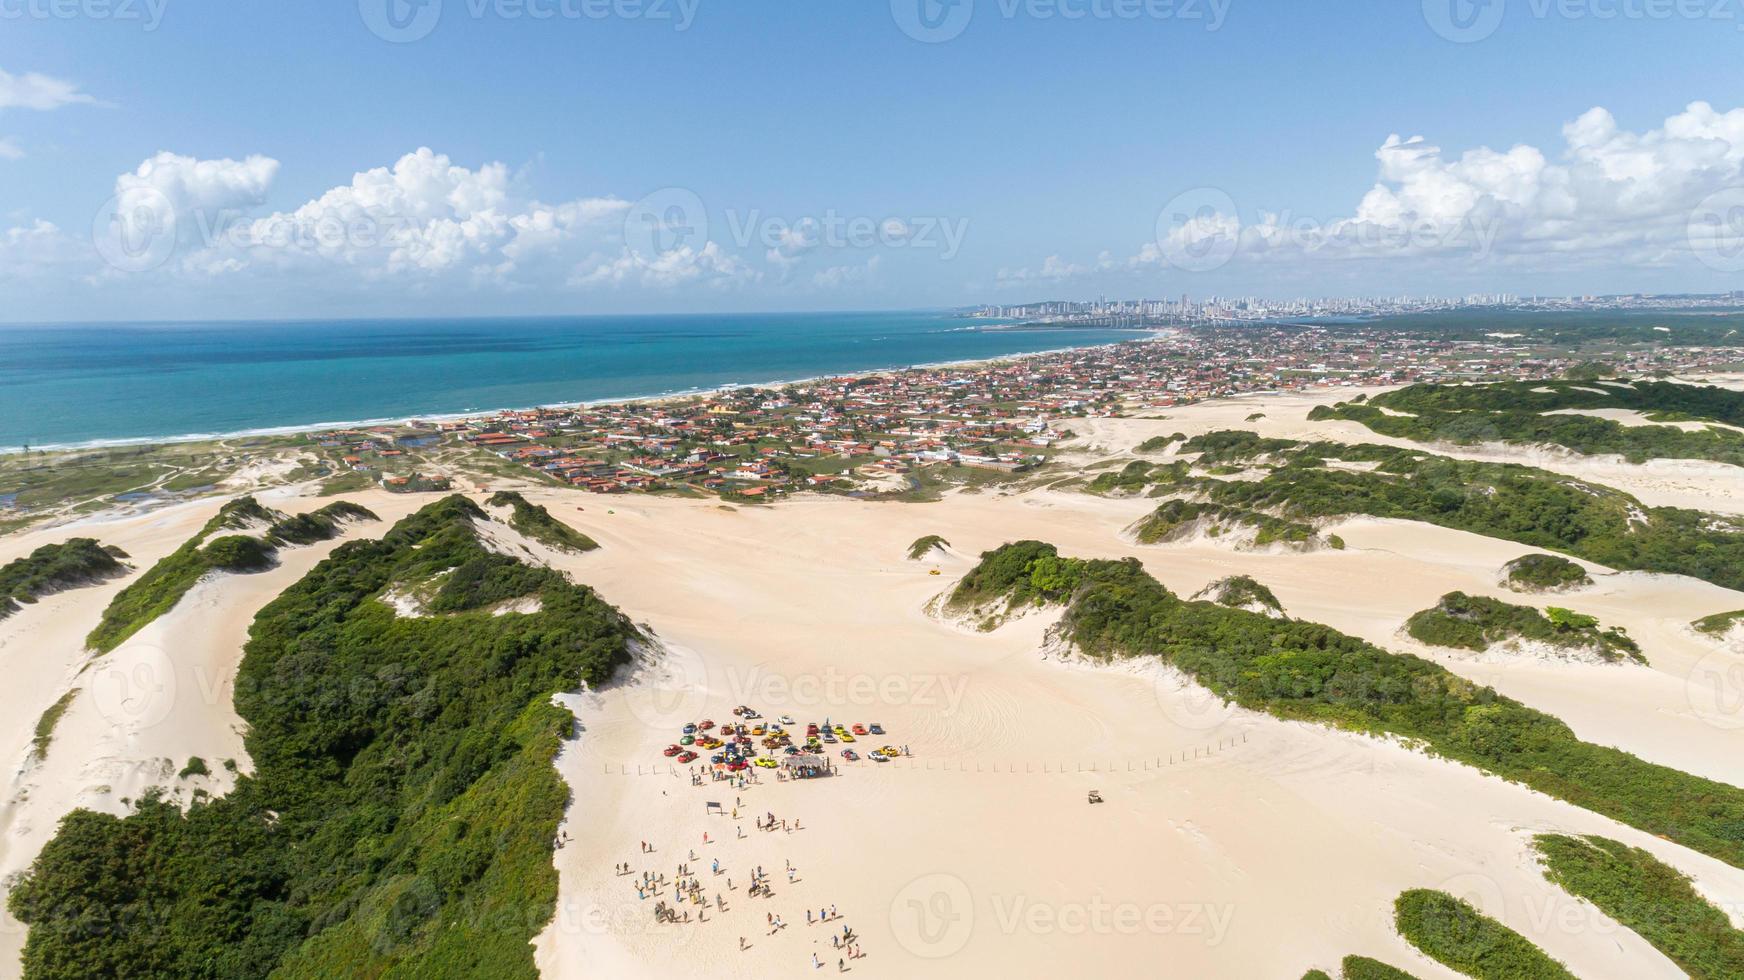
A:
[678,895]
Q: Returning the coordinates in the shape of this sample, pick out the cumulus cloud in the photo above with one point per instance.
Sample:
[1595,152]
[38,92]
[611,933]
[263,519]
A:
[425,219]
[39,250]
[1053,270]
[41,92]
[709,265]
[1610,196]
[793,243]
[840,276]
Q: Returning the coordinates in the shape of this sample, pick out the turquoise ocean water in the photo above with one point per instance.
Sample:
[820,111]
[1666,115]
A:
[77,384]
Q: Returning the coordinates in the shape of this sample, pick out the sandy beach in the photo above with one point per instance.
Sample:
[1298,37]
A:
[1230,843]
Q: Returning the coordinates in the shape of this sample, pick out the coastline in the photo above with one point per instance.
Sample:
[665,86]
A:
[1148,336]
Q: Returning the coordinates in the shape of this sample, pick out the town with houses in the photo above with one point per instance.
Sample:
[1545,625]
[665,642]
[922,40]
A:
[1212,310]
[899,431]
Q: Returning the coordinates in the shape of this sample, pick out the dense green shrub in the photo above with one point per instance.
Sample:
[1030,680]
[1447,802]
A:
[1461,938]
[401,815]
[1514,412]
[1475,622]
[1501,500]
[1363,968]
[56,568]
[923,546]
[536,522]
[1544,573]
[1172,517]
[1240,592]
[163,585]
[1309,672]
[319,525]
[1718,624]
[1157,444]
[1651,897]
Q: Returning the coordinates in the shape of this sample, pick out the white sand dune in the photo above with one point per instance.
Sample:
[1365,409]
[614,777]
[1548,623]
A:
[143,710]
[1230,843]
[1300,836]
[1699,484]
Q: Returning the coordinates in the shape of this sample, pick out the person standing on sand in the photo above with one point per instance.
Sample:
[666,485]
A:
[741,944]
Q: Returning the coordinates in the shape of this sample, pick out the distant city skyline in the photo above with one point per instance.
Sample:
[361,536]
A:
[494,158]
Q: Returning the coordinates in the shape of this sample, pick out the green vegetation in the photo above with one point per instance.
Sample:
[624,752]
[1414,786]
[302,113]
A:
[1515,412]
[1501,500]
[1227,446]
[1719,624]
[163,585]
[1651,897]
[1241,592]
[1157,444]
[319,525]
[401,815]
[1590,371]
[1135,476]
[1363,968]
[45,725]
[1461,938]
[536,522]
[1309,672]
[1177,518]
[924,546]
[56,568]
[70,482]
[1544,573]
[1475,622]
[196,767]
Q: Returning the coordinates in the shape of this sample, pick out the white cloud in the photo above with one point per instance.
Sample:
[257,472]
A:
[793,243]
[1611,197]
[708,265]
[209,186]
[10,151]
[33,91]
[423,219]
[839,276]
[39,250]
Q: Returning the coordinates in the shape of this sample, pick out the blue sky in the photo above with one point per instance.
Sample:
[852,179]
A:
[1138,149]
